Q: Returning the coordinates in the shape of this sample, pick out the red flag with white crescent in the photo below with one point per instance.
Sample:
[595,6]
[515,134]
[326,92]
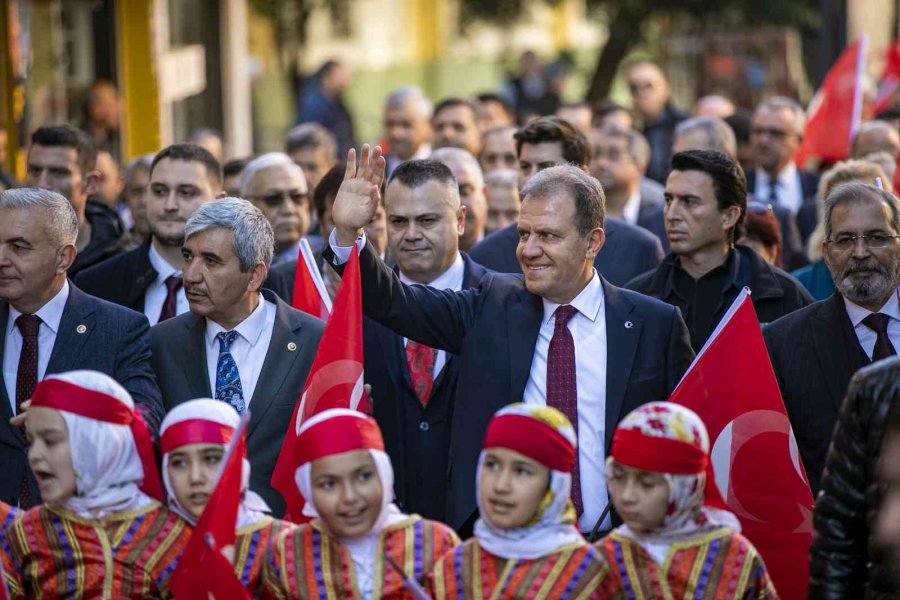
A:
[309,293]
[335,380]
[755,466]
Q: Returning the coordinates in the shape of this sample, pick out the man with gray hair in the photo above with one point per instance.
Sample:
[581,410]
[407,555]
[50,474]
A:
[407,126]
[50,326]
[470,179]
[239,343]
[873,137]
[277,187]
[705,133]
[314,149]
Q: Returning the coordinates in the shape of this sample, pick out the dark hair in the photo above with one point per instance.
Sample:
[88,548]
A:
[856,191]
[452,102]
[497,99]
[729,182]
[191,153]
[67,136]
[327,189]
[576,149]
[414,173]
[740,124]
[310,135]
[235,166]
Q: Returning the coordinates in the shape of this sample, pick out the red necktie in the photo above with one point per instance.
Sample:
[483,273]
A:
[170,307]
[26,379]
[420,361]
[562,393]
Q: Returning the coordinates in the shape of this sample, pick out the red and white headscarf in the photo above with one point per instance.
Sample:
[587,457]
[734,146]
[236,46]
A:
[207,421]
[111,448]
[546,436]
[670,439]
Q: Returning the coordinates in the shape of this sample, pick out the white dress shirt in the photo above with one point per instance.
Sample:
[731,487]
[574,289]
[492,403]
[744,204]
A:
[393,161]
[867,336]
[588,328]
[790,191]
[155,297]
[632,209]
[452,280]
[50,314]
[248,350]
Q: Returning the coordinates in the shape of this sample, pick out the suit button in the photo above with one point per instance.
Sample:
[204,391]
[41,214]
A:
[424,426]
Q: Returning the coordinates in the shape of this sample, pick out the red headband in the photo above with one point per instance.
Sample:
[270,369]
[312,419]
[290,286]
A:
[630,447]
[533,438]
[337,435]
[69,397]
[194,431]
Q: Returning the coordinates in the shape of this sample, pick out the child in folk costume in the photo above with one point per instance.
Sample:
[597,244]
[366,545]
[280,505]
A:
[101,531]
[11,576]
[346,478]
[671,546]
[193,439]
[526,543]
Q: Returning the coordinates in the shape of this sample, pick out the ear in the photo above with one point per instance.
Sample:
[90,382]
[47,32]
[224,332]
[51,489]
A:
[65,257]
[596,239]
[92,182]
[730,217]
[461,220]
[258,277]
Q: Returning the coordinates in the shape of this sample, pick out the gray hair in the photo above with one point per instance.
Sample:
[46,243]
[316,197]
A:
[310,135]
[857,192]
[637,147]
[254,239]
[414,94]
[590,201]
[719,135]
[63,222]
[263,162]
[785,103]
[450,156]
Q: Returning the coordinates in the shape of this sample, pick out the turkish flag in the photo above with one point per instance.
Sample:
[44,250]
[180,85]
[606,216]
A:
[203,572]
[755,466]
[890,78]
[335,380]
[834,114]
[309,295]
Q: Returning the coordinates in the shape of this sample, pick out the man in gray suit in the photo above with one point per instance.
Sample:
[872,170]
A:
[239,344]
[49,326]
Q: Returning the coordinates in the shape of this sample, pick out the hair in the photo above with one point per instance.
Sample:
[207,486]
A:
[203,132]
[311,135]
[63,221]
[636,144]
[590,201]
[453,102]
[866,127]
[497,99]
[631,64]
[411,94]
[785,103]
[235,166]
[604,108]
[887,375]
[254,239]
[740,123]
[729,182]
[144,162]
[499,129]
[263,162]
[858,192]
[69,137]
[191,153]
[415,173]
[449,155]
[762,225]
[328,187]
[719,135]
[576,149]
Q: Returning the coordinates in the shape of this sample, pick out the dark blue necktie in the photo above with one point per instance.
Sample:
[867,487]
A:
[228,380]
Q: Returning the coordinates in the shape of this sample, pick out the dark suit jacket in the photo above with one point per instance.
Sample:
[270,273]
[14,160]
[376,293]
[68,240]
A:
[116,341]
[807,214]
[417,439]
[494,328]
[627,252]
[125,278]
[814,353]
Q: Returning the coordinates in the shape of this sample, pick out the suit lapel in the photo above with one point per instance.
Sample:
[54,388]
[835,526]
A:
[523,322]
[145,275]
[75,328]
[192,354]
[836,360]
[623,330]
[6,411]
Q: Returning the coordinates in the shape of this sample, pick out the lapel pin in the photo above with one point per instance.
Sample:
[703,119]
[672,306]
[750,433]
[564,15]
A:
[628,324]
[81,329]
[291,346]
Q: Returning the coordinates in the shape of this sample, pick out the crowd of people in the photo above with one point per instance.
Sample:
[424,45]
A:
[535,282]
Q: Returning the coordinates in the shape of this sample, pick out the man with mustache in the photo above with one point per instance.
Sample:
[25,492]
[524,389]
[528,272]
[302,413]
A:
[816,350]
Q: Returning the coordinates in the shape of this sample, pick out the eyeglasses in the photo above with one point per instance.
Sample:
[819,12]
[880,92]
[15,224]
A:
[872,240]
[277,197]
[778,134]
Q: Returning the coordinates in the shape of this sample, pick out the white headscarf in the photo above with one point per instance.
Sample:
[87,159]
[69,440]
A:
[553,526]
[252,508]
[108,470]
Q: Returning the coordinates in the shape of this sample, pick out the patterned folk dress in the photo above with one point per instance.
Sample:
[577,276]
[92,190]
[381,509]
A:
[251,547]
[11,576]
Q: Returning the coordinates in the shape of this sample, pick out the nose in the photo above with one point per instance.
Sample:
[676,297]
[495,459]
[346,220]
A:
[502,481]
[412,232]
[171,204]
[348,493]
[190,273]
[628,491]
[196,473]
[530,247]
[860,248]
[4,255]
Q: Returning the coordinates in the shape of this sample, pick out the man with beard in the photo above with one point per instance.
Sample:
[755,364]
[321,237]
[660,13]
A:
[817,349]
[148,279]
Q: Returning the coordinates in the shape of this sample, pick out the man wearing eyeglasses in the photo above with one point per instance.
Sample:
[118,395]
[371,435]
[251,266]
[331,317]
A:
[816,350]
[277,187]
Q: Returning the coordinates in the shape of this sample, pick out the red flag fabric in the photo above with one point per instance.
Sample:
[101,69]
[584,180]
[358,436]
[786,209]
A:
[755,466]
[335,380]
[834,114]
[890,78]
[309,294]
[203,573]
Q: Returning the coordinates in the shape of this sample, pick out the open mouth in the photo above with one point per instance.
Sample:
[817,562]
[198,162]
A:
[498,506]
[43,477]
[198,498]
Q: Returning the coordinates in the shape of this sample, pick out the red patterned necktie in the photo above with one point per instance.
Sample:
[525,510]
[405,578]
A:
[562,393]
[26,379]
[420,361]
[170,306]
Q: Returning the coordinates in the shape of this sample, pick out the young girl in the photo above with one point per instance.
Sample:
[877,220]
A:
[98,534]
[193,440]
[526,544]
[671,546]
[347,481]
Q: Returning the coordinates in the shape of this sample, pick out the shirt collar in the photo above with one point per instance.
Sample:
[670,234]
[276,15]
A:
[160,265]
[250,328]
[632,209]
[891,308]
[50,313]
[784,177]
[588,302]
[451,279]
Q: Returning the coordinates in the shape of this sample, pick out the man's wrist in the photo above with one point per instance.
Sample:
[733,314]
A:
[346,237]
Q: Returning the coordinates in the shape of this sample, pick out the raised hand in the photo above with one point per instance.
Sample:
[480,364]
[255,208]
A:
[357,199]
